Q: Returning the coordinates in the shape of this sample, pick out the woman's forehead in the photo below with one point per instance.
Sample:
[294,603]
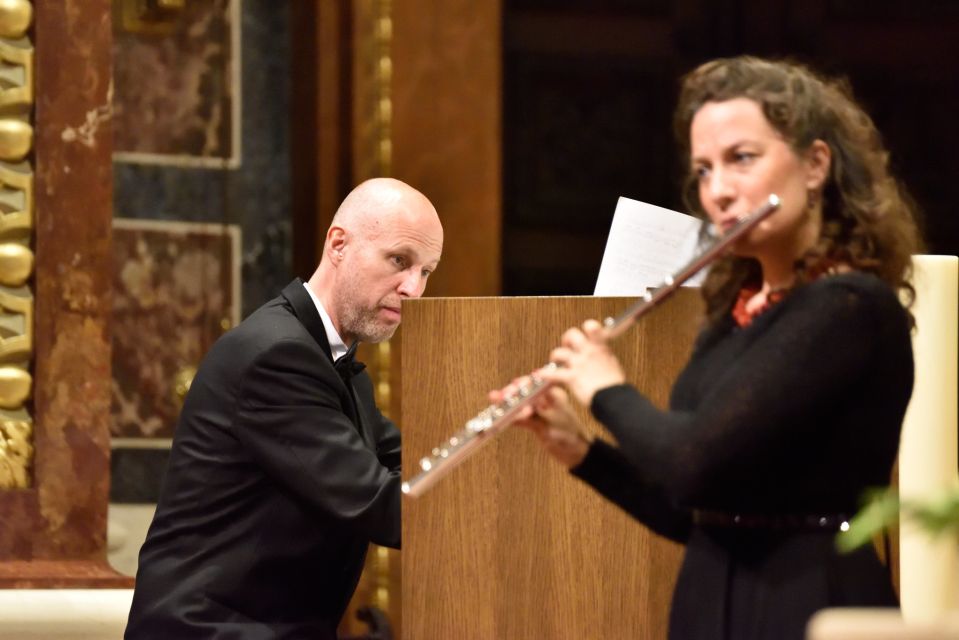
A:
[721,124]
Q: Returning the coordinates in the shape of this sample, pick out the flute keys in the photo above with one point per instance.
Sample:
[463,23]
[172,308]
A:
[425,464]
[479,423]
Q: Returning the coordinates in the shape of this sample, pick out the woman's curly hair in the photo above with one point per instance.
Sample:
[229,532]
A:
[869,220]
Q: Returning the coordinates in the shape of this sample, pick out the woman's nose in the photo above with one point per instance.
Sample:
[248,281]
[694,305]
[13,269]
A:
[720,189]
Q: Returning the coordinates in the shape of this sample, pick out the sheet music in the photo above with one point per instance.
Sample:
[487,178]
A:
[646,243]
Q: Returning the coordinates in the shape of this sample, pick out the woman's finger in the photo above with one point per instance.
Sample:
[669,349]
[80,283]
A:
[572,338]
[559,375]
[525,413]
[560,356]
[557,395]
[594,331]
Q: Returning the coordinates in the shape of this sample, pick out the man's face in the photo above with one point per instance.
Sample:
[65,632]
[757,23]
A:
[381,267]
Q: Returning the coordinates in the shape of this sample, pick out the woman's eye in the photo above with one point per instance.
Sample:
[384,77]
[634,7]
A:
[701,172]
[744,157]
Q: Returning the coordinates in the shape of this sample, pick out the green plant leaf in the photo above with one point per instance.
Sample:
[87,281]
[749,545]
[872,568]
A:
[880,511]
[936,515]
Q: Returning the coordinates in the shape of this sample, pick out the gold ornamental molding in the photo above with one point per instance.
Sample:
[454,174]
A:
[16,140]
[383,45]
[383,152]
[373,80]
[16,264]
[16,239]
[15,18]
[383,40]
[372,143]
[151,17]
[16,453]
[373,127]
[16,71]
[16,200]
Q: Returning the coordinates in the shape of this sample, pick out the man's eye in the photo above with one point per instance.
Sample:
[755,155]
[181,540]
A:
[744,157]
[426,273]
[399,261]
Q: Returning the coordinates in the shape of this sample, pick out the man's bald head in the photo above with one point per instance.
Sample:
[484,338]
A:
[373,202]
[385,240]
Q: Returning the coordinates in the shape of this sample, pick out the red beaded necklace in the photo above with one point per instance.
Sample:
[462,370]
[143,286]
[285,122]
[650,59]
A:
[744,316]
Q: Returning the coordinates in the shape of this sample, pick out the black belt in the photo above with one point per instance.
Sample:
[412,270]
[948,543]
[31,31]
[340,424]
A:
[788,522]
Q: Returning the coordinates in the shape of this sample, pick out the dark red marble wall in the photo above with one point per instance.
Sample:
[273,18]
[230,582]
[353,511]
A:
[173,88]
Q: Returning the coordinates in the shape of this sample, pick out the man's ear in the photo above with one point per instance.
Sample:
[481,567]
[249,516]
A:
[336,240]
[818,161]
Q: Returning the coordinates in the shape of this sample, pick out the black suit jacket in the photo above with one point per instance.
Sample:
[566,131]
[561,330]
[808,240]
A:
[280,475]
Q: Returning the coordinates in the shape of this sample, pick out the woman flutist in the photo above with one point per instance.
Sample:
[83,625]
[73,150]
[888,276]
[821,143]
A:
[792,402]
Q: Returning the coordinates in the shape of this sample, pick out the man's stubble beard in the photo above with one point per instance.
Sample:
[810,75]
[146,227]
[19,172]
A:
[364,326]
[361,323]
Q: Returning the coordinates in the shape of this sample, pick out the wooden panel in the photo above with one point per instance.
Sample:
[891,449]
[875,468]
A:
[509,545]
[446,130]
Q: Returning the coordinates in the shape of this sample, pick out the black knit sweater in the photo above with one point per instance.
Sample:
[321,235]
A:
[795,414]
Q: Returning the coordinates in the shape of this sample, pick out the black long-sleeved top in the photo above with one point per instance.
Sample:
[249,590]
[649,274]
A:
[796,414]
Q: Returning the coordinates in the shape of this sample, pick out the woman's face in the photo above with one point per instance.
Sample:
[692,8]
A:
[740,159]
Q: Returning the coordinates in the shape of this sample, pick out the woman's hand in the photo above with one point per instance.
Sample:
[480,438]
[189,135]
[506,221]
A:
[585,363]
[550,417]
[557,427]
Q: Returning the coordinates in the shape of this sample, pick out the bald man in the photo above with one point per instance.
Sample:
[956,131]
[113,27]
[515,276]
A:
[282,469]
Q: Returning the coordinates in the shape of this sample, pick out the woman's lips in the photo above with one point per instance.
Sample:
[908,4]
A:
[728,223]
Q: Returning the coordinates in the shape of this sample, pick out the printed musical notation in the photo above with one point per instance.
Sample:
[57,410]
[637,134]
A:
[645,242]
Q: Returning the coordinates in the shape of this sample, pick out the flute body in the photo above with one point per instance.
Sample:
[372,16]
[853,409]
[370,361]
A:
[496,417]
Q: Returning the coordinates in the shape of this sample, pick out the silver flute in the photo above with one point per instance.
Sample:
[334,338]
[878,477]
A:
[496,417]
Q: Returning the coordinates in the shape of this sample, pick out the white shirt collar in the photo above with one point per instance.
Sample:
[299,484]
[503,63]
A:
[337,346]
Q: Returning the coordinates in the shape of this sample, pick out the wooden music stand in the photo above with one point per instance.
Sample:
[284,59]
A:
[509,545]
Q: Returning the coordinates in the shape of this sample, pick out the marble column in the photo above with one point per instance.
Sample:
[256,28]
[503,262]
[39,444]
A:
[54,528]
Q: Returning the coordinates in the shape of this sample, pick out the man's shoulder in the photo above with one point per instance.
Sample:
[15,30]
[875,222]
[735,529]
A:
[271,325]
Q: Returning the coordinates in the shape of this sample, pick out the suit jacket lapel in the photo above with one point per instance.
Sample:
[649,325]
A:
[295,293]
[306,312]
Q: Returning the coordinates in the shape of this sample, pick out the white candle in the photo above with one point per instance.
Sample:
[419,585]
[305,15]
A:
[929,581]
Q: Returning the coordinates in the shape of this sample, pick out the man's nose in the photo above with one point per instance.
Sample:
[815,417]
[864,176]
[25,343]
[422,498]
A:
[412,285]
